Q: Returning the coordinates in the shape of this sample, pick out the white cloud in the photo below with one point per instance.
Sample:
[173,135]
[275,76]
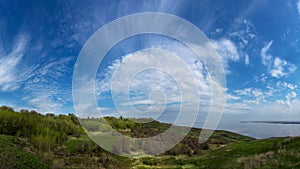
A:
[219,30]
[244,92]
[277,108]
[8,75]
[286,85]
[56,68]
[47,93]
[290,99]
[282,68]
[298,6]
[139,102]
[147,81]
[263,78]
[247,60]
[291,95]
[39,85]
[243,33]
[227,50]
[252,95]
[138,61]
[232,97]
[10,70]
[277,67]
[266,58]
[257,93]
[237,108]
[44,103]
[266,97]
[163,81]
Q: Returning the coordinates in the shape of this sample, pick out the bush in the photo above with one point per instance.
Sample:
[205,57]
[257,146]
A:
[43,131]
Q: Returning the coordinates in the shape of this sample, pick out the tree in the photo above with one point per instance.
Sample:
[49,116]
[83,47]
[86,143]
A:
[74,118]
[24,111]
[50,115]
[6,108]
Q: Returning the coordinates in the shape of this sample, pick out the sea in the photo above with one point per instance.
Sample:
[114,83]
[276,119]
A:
[261,130]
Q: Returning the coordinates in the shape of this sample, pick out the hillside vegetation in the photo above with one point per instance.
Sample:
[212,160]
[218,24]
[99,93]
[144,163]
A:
[31,140]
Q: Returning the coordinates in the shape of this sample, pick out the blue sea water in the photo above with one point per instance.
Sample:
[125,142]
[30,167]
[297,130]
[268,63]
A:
[261,130]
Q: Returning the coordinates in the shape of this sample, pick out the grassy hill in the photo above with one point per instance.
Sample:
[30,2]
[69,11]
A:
[31,140]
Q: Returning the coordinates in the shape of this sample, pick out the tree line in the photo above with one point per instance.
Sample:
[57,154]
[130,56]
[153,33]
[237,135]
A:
[44,131]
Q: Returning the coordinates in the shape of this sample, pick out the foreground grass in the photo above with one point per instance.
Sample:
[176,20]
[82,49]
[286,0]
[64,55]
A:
[83,153]
[268,153]
[15,153]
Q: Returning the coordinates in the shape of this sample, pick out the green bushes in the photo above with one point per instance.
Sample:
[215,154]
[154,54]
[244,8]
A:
[45,132]
[121,123]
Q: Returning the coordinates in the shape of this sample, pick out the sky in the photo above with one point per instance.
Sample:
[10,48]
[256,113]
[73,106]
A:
[257,41]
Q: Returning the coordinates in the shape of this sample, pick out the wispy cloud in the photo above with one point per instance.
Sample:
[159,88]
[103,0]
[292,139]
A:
[282,68]
[276,66]
[47,92]
[247,60]
[243,31]
[228,52]
[263,96]
[266,58]
[56,68]
[298,6]
[32,68]
[286,85]
[10,69]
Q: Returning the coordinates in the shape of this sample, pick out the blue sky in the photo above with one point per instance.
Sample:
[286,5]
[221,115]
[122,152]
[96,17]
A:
[258,42]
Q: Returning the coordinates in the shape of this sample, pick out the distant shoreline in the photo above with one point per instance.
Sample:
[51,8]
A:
[272,122]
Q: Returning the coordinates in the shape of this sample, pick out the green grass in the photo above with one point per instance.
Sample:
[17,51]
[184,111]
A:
[75,145]
[268,153]
[13,156]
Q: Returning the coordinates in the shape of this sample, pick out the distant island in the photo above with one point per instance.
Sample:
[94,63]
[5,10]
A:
[273,122]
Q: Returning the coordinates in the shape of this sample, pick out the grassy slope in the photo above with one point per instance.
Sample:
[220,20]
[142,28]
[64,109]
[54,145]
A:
[15,153]
[268,153]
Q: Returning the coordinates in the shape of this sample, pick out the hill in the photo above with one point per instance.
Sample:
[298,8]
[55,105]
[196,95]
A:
[31,140]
